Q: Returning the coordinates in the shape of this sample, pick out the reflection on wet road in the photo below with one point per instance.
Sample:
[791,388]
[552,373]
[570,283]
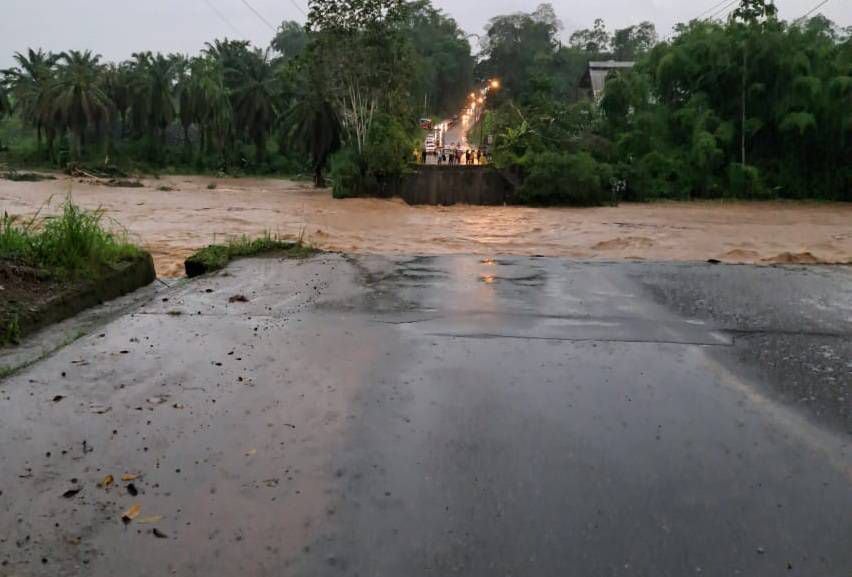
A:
[433,416]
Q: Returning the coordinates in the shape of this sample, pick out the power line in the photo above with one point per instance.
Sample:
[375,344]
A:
[811,11]
[224,19]
[299,8]
[711,9]
[723,10]
[259,15]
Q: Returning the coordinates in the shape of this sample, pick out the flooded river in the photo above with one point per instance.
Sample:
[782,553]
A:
[174,223]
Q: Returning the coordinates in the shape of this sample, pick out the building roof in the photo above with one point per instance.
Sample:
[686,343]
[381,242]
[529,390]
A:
[597,72]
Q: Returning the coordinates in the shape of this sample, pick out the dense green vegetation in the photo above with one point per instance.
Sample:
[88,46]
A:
[359,74]
[75,243]
[750,108]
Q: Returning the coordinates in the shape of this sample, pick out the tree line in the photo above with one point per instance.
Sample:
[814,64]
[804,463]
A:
[749,107]
[317,89]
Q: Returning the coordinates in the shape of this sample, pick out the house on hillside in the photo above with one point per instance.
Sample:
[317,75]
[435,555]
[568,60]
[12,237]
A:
[594,79]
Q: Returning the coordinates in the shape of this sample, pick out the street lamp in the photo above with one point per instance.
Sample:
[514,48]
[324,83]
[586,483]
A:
[495,84]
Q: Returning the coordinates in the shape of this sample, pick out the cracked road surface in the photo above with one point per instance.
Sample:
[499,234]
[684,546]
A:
[438,416]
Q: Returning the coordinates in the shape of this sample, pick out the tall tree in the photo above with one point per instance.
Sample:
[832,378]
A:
[360,45]
[78,97]
[30,83]
[153,96]
[254,99]
[290,40]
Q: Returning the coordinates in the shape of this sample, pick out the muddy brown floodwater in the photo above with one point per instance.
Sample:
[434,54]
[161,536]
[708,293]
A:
[174,223]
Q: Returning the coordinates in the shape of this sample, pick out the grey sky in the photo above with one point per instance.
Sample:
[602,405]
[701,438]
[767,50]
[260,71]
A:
[117,28]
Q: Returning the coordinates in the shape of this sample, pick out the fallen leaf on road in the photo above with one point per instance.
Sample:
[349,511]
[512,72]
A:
[131,488]
[251,452]
[58,398]
[129,477]
[71,493]
[99,409]
[238,299]
[131,513]
[150,520]
[159,534]
[107,482]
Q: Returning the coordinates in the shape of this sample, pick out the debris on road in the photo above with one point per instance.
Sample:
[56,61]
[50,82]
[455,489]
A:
[71,493]
[131,513]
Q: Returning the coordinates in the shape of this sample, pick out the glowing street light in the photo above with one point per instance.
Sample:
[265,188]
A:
[495,84]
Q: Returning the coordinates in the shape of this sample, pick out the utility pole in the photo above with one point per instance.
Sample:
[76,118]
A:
[743,103]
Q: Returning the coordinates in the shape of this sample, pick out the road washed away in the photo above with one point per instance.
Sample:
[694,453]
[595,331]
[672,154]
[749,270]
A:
[174,216]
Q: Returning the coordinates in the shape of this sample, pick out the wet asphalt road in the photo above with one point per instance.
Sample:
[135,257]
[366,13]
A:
[444,416]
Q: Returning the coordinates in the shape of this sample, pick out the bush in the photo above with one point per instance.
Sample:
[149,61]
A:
[657,175]
[744,181]
[75,242]
[572,179]
[384,160]
[348,174]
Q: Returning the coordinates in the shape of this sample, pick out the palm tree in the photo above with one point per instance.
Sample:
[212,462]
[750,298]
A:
[153,101]
[183,90]
[312,125]
[30,83]
[117,80]
[5,104]
[78,98]
[254,99]
[210,103]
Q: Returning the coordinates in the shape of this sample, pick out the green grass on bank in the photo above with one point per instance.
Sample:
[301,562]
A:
[75,243]
[217,256]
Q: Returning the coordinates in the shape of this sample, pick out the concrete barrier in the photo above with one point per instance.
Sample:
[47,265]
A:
[448,185]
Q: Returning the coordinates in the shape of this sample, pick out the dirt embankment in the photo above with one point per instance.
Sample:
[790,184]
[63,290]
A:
[174,216]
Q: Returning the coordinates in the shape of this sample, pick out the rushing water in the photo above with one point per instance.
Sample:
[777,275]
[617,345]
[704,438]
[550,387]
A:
[172,224]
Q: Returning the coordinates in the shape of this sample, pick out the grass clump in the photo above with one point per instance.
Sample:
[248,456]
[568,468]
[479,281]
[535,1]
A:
[75,242]
[217,256]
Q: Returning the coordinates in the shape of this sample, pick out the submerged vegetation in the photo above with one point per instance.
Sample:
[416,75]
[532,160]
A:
[747,107]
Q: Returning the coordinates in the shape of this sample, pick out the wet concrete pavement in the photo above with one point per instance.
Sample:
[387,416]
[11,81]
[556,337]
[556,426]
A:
[442,416]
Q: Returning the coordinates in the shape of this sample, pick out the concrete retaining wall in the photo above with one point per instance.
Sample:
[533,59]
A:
[447,185]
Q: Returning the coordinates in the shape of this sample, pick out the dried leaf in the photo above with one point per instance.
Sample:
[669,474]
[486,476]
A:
[107,481]
[238,299]
[128,477]
[99,409]
[71,493]
[150,520]
[58,398]
[159,534]
[251,452]
[131,513]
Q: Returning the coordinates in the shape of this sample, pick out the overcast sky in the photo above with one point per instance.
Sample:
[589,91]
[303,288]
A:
[117,28]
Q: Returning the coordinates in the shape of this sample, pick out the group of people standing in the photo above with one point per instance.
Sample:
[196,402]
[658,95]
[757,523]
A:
[456,157]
